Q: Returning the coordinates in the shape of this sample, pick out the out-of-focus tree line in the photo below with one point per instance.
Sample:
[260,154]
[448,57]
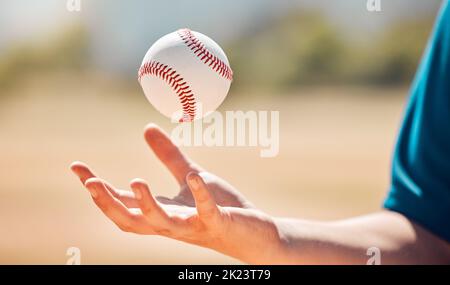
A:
[68,50]
[296,50]
[305,49]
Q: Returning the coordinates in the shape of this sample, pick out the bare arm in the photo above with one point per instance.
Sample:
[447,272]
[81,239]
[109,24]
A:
[211,213]
[400,241]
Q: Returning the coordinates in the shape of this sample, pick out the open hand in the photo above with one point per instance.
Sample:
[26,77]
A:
[201,213]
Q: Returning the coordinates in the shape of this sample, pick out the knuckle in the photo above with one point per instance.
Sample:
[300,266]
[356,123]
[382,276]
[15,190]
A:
[130,225]
[146,210]
[106,208]
[163,232]
[125,227]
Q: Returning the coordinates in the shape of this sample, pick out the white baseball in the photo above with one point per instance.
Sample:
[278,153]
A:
[185,75]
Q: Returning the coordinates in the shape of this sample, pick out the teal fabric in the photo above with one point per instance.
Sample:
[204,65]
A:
[420,187]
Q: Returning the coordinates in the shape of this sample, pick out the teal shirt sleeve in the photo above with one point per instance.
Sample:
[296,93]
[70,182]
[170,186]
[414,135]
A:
[420,187]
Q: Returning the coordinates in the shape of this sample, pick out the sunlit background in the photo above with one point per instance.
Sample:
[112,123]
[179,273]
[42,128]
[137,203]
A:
[337,73]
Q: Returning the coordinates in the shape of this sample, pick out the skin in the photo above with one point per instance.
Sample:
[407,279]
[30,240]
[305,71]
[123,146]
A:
[211,213]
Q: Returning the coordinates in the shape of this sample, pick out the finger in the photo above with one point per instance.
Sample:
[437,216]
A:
[149,206]
[126,197]
[204,201]
[169,154]
[111,206]
[82,171]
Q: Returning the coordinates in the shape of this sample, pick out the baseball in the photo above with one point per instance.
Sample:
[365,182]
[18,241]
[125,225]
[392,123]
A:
[185,75]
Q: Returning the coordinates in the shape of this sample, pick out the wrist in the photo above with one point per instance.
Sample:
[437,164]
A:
[251,236]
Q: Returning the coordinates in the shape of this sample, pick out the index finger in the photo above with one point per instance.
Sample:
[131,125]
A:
[169,154]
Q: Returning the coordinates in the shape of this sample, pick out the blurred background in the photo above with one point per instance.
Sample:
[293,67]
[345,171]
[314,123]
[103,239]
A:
[338,74]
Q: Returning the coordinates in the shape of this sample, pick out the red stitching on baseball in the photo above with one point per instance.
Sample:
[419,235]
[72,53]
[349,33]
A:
[204,54]
[175,81]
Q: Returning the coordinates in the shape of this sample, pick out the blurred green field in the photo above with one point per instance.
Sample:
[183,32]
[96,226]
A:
[335,147]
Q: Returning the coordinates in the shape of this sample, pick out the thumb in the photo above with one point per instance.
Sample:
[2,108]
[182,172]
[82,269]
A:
[204,201]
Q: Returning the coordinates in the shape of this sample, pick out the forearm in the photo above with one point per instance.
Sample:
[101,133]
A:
[265,240]
[256,238]
[346,242]
[313,242]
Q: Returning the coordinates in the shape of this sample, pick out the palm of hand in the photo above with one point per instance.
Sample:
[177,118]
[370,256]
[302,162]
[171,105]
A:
[223,193]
